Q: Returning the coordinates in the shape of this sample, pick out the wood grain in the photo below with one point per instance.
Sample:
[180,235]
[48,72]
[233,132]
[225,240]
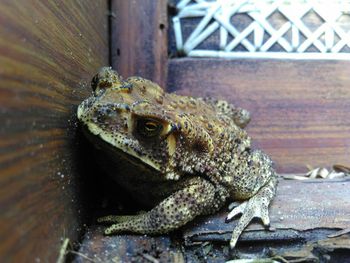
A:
[300,109]
[313,211]
[49,51]
[313,204]
[139,39]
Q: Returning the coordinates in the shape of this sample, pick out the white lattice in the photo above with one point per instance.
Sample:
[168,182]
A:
[260,37]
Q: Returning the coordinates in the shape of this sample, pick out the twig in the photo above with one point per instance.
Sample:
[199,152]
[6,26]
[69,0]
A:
[340,232]
[63,251]
[150,258]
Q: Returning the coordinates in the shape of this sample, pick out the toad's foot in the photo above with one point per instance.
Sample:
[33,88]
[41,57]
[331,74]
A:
[256,206]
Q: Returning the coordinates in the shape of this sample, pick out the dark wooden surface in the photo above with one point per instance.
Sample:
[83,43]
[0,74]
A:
[303,212]
[127,248]
[139,39]
[300,108]
[298,206]
[49,51]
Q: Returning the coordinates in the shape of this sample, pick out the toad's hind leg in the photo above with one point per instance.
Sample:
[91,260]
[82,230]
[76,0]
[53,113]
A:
[175,211]
[256,206]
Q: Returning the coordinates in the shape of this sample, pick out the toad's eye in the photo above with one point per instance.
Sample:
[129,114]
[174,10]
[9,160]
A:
[149,127]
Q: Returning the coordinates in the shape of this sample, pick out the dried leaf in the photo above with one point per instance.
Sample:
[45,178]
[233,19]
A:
[341,168]
[313,173]
[334,175]
[323,173]
[295,177]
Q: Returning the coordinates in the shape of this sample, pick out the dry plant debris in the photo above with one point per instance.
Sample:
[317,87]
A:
[337,171]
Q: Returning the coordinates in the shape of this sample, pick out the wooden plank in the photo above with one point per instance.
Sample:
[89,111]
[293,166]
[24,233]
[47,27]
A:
[139,39]
[49,50]
[309,215]
[299,108]
[307,218]
[127,248]
[312,204]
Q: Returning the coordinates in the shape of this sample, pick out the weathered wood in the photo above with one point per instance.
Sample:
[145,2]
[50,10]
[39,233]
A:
[139,39]
[299,108]
[127,248]
[49,50]
[299,206]
[302,212]
[322,249]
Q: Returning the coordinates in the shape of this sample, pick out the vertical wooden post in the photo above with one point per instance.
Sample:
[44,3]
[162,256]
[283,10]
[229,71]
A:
[49,50]
[139,38]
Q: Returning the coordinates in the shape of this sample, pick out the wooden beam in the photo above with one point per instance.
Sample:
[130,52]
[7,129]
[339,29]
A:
[49,50]
[299,206]
[139,39]
[308,218]
[299,108]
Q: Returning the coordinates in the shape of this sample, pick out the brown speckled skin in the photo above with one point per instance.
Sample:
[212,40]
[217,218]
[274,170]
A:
[198,156]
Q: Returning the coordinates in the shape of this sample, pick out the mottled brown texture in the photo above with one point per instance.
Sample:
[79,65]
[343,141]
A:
[300,108]
[48,52]
[186,156]
[139,39]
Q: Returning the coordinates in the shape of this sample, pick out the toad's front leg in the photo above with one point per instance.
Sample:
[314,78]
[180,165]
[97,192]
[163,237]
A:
[181,207]
[256,206]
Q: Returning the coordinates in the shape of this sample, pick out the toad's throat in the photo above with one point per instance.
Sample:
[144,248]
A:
[108,143]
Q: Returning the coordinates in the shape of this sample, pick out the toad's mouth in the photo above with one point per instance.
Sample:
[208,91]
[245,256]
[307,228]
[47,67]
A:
[103,141]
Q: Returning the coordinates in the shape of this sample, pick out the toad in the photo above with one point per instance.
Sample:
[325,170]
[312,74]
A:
[181,155]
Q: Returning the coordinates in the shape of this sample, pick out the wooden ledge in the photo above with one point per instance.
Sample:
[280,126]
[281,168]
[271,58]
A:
[306,216]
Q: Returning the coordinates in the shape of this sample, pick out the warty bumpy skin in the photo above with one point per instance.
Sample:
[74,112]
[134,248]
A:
[183,156]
